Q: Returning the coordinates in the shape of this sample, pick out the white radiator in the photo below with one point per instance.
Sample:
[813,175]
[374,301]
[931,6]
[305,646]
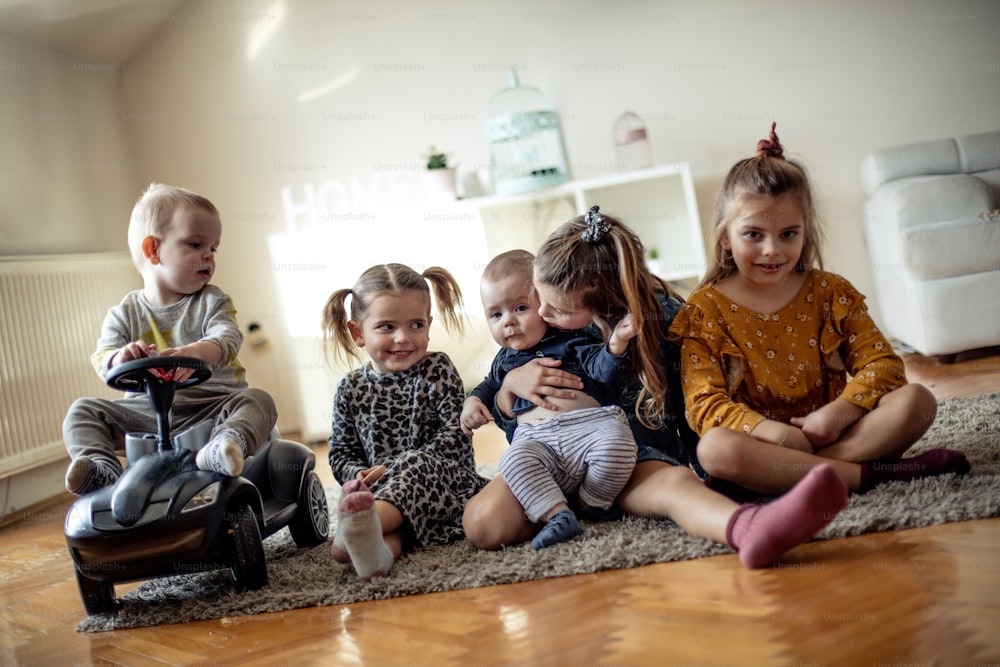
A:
[51,310]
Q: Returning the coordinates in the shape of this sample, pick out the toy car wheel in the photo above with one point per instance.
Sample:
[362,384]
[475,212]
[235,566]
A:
[311,524]
[98,596]
[247,555]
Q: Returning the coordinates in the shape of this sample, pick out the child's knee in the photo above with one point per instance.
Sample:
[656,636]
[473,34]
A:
[921,408]
[718,451]
[261,397]
[924,402]
[914,403]
[479,529]
[81,409]
[486,523]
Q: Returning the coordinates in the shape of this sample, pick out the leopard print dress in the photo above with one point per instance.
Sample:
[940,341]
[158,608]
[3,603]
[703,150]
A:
[408,422]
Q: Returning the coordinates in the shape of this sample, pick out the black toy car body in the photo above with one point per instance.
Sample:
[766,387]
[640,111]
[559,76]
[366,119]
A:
[165,517]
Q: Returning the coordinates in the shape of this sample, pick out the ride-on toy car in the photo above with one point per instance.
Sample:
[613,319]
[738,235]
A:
[165,517]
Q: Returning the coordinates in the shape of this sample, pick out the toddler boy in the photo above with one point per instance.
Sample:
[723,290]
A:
[173,236]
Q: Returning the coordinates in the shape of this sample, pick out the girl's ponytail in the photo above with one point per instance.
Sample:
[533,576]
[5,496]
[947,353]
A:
[448,295]
[337,338]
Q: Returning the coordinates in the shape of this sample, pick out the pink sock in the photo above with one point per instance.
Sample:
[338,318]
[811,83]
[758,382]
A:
[931,462]
[762,533]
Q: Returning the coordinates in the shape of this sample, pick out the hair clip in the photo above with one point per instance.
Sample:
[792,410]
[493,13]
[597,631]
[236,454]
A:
[597,226]
[770,147]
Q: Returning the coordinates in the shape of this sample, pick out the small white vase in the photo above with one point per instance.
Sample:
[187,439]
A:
[439,184]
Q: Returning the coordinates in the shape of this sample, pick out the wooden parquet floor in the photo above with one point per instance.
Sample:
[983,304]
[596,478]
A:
[929,596]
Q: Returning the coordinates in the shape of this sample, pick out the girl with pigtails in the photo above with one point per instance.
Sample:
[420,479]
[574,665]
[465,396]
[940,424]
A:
[590,273]
[396,445]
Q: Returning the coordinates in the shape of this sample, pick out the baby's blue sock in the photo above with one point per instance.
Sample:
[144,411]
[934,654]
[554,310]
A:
[560,527]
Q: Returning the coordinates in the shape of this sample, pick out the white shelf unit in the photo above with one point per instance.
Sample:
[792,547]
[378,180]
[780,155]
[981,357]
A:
[657,203]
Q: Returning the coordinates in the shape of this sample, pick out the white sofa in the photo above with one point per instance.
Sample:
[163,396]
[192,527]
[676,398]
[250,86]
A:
[933,233]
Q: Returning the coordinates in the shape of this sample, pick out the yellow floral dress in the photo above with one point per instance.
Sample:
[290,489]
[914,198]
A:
[740,367]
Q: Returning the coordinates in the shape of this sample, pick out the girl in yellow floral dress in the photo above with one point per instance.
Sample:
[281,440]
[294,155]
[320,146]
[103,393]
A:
[782,367]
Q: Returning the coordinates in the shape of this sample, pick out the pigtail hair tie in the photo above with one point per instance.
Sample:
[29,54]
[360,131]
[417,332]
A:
[597,225]
[771,147]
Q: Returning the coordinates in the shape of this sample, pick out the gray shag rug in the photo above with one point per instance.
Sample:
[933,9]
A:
[310,577]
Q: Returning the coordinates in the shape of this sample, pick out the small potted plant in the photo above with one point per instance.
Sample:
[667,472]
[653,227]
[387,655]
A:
[439,179]
[436,160]
[653,261]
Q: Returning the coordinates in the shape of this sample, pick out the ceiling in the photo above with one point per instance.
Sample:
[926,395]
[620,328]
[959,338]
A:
[91,30]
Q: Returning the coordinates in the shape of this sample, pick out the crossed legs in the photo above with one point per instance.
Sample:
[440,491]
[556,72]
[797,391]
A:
[867,454]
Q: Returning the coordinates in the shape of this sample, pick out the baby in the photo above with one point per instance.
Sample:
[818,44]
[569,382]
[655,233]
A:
[583,447]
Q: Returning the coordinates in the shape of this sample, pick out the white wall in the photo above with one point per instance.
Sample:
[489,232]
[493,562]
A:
[66,166]
[351,94]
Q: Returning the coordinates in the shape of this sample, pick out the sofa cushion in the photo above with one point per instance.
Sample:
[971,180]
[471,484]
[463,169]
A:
[926,157]
[979,152]
[966,154]
[941,224]
[953,248]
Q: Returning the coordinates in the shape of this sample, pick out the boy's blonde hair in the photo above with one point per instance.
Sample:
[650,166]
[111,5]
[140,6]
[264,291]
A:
[153,212]
[381,279]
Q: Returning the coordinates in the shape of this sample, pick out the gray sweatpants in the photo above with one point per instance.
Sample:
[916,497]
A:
[96,427]
[591,452]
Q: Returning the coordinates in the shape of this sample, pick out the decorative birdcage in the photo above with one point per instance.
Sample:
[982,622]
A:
[526,147]
[632,143]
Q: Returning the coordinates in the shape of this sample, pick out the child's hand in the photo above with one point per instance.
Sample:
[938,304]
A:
[133,351]
[180,373]
[207,351]
[825,426]
[623,333]
[372,475]
[474,415]
[782,435]
[796,439]
[534,381]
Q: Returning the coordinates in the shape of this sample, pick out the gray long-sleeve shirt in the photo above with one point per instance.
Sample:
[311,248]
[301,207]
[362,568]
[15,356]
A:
[206,315]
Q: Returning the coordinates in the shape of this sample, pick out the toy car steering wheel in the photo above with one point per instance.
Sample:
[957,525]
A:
[155,376]
[134,375]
